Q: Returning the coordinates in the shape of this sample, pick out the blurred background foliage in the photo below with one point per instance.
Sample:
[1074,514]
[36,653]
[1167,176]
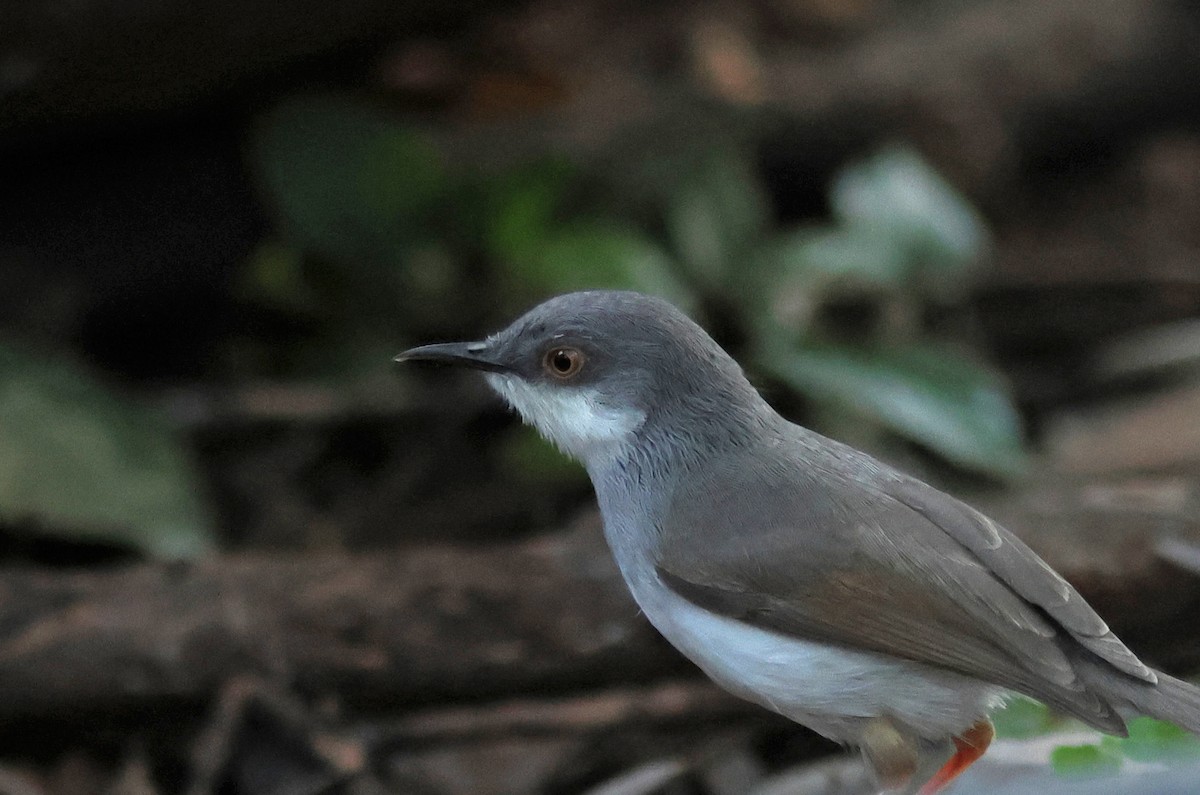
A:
[834,312]
[1150,741]
[78,459]
[769,170]
[378,231]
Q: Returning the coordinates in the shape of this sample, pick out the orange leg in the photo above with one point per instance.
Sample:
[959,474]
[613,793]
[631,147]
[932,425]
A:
[969,747]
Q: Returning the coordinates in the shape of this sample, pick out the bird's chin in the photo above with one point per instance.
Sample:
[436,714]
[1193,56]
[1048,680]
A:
[573,418]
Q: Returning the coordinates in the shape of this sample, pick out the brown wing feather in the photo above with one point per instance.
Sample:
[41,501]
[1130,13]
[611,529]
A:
[1023,571]
[828,552]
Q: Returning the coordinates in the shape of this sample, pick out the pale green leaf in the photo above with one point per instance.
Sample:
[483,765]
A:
[896,193]
[829,260]
[715,219]
[1152,740]
[930,394]
[594,255]
[1084,760]
[80,461]
[1021,718]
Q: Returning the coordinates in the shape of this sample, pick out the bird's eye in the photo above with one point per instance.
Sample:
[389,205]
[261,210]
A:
[563,362]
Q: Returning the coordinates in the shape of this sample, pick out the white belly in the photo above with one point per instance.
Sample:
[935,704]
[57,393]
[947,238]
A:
[832,690]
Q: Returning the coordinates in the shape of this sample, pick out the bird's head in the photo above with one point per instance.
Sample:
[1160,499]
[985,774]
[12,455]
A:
[590,369]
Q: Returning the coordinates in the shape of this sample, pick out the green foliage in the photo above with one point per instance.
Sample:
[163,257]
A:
[927,392]
[347,182]
[715,219]
[1088,760]
[274,275]
[830,261]
[371,223]
[544,252]
[522,210]
[903,239]
[897,196]
[1152,740]
[353,186]
[78,460]
[528,455]
[1022,718]
[586,254]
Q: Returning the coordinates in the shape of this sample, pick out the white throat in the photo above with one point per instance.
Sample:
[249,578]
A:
[573,418]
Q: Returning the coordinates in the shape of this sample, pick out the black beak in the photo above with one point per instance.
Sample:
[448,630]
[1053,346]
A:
[463,354]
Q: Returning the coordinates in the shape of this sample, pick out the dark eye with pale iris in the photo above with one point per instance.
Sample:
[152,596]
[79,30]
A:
[563,362]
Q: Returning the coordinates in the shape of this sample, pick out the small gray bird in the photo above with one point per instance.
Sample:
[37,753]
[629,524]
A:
[797,572]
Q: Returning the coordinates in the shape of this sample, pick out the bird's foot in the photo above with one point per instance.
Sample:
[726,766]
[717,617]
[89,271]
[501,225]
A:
[969,746]
[890,753]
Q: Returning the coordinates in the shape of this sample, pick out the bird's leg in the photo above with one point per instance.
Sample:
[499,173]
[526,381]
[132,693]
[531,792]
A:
[892,755]
[969,746]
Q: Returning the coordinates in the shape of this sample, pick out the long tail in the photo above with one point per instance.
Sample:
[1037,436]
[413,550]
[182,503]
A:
[1170,700]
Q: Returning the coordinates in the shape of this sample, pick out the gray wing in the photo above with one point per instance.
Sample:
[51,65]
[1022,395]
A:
[827,544]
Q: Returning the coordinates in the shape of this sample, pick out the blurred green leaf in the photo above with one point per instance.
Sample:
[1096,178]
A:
[85,463]
[1022,718]
[1153,740]
[1090,760]
[595,255]
[794,274]
[521,210]
[928,393]
[347,181]
[828,259]
[897,194]
[274,276]
[718,215]
[532,458]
